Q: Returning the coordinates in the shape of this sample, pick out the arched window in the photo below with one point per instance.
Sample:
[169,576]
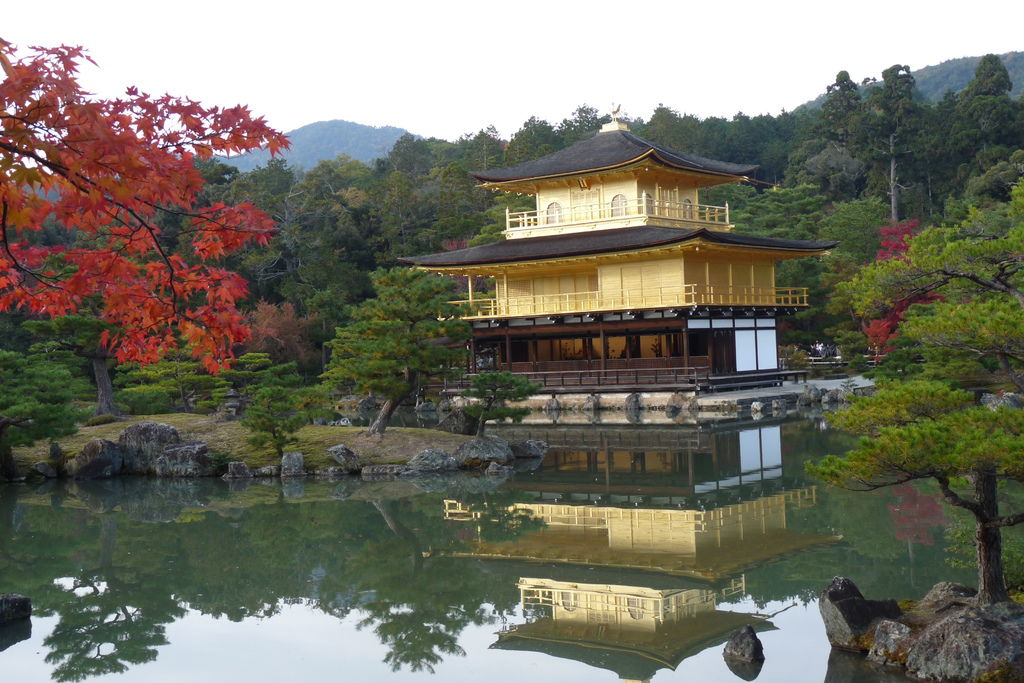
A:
[554,214]
[619,205]
[569,602]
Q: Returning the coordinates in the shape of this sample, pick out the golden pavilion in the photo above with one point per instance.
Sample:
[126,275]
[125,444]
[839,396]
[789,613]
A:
[621,278]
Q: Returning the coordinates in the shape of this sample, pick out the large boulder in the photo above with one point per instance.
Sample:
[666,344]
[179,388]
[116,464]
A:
[529,449]
[849,618]
[143,443]
[346,458]
[458,421]
[190,459]
[98,459]
[483,451]
[976,643]
[14,607]
[293,464]
[432,460]
[946,595]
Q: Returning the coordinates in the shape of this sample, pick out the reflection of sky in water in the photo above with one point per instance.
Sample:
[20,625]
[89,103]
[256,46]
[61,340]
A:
[301,645]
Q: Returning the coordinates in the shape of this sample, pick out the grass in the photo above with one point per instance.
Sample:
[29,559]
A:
[397,445]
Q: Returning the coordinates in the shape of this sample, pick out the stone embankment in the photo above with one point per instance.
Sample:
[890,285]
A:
[154,449]
[945,636]
[683,407]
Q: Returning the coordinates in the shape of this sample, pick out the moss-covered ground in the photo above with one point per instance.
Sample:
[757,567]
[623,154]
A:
[230,439]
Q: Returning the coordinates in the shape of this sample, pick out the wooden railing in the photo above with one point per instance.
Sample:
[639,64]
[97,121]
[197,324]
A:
[592,213]
[616,300]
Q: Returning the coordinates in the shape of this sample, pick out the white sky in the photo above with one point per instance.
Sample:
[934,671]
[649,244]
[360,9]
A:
[451,67]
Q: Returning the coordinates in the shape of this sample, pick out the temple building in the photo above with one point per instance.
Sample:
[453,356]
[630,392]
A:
[620,277]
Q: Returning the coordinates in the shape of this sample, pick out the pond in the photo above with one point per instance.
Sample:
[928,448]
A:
[630,553]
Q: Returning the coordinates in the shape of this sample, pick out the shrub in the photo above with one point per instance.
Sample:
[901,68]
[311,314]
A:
[145,401]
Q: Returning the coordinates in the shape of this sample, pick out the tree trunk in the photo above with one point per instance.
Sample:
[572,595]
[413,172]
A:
[988,541]
[104,387]
[380,423]
[894,187]
[8,468]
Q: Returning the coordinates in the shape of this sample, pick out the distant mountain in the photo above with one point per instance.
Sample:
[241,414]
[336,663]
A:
[954,74]
[326,140]
[933,82]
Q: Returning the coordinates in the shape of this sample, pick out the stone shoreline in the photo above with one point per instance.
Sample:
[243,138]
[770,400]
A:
[158,450]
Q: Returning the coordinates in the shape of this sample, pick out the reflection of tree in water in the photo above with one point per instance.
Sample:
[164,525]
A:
[419,603]
[115,582]
[117,619]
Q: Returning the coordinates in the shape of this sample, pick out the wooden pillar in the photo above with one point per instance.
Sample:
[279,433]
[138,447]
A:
[604,350]
[469,286]
[508,351]
[590,351]
[686,344]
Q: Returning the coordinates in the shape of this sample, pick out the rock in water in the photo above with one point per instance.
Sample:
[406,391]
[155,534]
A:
[190,459]
[945,595]
[479,452]
[531,448]
[346,458]
[978,643]
[849,618]
[15,632]
[293,464]
[238,470]
[432,460]
[143,443]
[14,607]
[45,469]
[890,642]
[98,459]
[744,646]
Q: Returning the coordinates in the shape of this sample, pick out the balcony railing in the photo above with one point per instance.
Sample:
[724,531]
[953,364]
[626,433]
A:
[683,212]
[616,300]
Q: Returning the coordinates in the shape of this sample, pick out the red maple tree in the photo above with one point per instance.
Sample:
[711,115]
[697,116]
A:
[105,170]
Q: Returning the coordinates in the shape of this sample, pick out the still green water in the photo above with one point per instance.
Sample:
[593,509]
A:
[631,553]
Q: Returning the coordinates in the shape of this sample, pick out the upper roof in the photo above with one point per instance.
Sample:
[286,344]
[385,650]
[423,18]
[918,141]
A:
[598,242]
[607,150]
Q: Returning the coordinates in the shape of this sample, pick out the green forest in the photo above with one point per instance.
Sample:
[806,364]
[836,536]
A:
[877,163]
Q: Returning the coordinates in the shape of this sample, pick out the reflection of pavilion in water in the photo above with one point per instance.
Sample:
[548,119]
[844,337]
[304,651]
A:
[682,501]
[681,466]
[665,520]
[633,631]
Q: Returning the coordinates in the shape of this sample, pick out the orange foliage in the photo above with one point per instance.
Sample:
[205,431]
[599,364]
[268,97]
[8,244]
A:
[104,169]
[282,333]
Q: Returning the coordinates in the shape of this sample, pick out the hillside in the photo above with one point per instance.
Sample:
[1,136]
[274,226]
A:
[935,81]
[326,140]
[953,74]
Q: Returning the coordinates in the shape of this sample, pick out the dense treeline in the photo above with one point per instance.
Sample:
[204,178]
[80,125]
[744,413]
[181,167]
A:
[873,155]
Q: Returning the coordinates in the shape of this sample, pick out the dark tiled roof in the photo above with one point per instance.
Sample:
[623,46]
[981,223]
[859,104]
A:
[608,150]
[598,242]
